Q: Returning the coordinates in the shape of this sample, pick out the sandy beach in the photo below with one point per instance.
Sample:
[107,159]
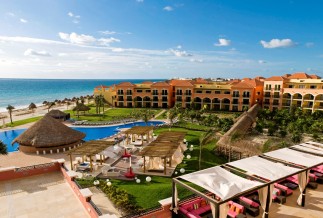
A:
[21,114]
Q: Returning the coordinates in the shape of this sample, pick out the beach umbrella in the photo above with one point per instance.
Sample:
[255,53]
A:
[81,107]
[45,102]
[32,106]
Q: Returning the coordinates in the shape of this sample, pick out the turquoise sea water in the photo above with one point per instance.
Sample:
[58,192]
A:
[21,92]
[92,133]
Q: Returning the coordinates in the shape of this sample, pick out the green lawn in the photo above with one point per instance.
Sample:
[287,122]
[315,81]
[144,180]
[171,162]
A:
[147,195]
[22,122]
[109,114]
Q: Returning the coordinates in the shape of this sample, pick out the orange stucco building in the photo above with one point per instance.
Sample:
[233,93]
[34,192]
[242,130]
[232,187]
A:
[299,89]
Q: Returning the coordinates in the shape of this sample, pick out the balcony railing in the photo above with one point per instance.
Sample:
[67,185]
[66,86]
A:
[246,96]
[276,96]
[236,95]
[188,93]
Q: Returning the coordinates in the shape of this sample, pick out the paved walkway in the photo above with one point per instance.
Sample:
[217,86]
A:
[46,195]
[103,202]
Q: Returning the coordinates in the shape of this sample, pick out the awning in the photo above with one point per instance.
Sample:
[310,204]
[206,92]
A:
[264,168]
[295,157]
[220,182]
[309,148]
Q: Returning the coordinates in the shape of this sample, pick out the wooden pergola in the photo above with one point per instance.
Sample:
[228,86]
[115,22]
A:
[139,131]
[163,147]
[90,149]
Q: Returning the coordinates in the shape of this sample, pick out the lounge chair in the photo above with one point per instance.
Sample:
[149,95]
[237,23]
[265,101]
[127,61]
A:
[294,179]
[251,207]
[236,210]
[284,190]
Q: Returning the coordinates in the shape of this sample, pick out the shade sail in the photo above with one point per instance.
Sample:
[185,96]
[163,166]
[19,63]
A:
[220,182]
[295,157]
[264,168]
[309,148]
[320,145]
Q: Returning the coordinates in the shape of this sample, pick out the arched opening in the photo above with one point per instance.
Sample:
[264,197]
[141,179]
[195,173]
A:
[206,103]
[216,104]
[197,103]
[225,104]
[138,101]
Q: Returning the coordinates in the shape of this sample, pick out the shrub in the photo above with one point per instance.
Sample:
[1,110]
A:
[296,137]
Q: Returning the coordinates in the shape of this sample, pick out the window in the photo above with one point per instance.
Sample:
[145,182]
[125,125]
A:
[235,94]
[290,86]
[268,87]
[147,90]
[312,87]
[277,87]
[258,93]
[301,86]
[227,92]
[120,92]
[155,92]
[219,92]
[198,91]
[139,90]
[208,92]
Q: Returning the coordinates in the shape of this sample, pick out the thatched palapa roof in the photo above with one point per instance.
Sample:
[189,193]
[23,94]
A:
[48,132]
[56,113]
[139,130]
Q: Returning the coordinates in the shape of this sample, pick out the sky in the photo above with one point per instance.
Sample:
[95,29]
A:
[129,39]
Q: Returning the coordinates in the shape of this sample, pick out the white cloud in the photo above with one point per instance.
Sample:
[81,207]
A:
[168,8]
[10,14]
[31,52]
[262,61]
[118,50]
[82,39]
[223,42]
[196,60]
[179,47]
[309,44]
[75,38]
[277,43]
[140,1]
[62,54]
[107,32]
[23,20]
[179,53]
[28,40]
[76,18]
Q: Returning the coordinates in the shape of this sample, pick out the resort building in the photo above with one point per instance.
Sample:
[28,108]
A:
[235,95]
[108,92]
[277,92]
[299,89]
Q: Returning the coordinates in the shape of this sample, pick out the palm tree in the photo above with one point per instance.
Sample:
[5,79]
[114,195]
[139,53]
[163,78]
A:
[3,148]
[10,109]
[97,103]
[32,107]
[68,103]
[50,105]
[203,140]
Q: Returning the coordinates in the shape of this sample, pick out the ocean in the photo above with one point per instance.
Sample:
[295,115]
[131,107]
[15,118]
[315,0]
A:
[21,92]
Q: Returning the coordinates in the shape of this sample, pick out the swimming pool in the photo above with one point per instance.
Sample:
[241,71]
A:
[91,132]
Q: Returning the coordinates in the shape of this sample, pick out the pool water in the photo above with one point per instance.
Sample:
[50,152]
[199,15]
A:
[92,133]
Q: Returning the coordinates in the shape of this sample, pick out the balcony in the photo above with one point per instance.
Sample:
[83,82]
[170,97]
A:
[188,93]
[164,93]
[179,99]
[275,103]
[286,104]
[120,93]
[129,99]
[179,93]
[164,99]
[235,95]
[120,98]
[155,93]
[246,96]
[129,93]
[267,95]
[155,99]
[276,96]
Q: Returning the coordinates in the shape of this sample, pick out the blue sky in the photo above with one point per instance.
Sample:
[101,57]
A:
[159,38]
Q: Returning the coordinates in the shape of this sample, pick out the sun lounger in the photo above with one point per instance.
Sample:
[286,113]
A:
[251,207]
[284,190]
[236,210]
[294,179]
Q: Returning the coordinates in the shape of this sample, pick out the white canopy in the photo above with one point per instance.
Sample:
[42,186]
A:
[309,148]
[220,182]
[295,157]
[264,168]
[315,143]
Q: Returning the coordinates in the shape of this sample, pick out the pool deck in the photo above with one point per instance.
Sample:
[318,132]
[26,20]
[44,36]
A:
[46,195]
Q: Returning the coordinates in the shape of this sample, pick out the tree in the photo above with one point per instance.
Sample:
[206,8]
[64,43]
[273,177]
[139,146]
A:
[32,107]
[68,103]
[50,105]
[144,114]
[296,137]
[10,109]
[3,148]
[203,140]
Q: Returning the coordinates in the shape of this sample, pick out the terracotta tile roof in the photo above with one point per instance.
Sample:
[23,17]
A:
[300,75]
[243,85]
[126,84]
[178,82]
[199,81]
[276,78]
[313,76]
[159,84]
